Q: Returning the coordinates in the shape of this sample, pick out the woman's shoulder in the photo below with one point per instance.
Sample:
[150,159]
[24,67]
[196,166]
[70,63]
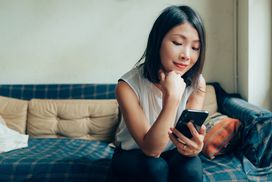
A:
[201,81]
[201,84]
[133,78]
[132,73]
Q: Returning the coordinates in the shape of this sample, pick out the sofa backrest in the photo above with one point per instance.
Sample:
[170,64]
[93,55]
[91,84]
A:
[14,105]
[65,114]
[59,91]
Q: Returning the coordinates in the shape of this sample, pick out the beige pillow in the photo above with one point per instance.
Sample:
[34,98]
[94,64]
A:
[2,121]
[84,119]
[14,112]
[210,103]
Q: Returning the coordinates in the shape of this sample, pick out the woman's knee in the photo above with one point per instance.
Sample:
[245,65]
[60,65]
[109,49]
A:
[155,167]
[139,167]
[189,170]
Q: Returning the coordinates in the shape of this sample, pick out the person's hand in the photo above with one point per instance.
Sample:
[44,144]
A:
[185,146]
[172,85]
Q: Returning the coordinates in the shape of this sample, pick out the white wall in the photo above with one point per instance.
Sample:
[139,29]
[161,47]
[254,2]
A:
[260,52]
[66,41]
[254,52]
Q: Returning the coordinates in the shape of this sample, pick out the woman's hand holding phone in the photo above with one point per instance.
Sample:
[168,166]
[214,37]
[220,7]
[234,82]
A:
[197,117]
[185,146]
[189,133]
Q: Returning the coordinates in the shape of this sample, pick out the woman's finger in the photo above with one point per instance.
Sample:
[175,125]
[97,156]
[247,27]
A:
[161,75]
[202,130]
[182,137]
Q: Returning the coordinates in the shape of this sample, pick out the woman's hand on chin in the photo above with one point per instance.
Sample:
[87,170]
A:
[172,85]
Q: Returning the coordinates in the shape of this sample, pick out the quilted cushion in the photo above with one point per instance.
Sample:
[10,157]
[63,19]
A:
[84,119]
[14,112]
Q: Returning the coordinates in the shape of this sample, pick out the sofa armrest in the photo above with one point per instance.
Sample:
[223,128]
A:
[256,130]
[234,106]
[244,111]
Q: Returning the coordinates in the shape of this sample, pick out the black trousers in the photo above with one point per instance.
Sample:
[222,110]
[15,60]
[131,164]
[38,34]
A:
[134,165]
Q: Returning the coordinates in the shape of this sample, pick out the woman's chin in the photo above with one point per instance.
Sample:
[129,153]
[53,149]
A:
[179,72]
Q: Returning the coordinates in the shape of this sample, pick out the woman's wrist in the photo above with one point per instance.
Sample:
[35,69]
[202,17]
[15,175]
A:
[170,100]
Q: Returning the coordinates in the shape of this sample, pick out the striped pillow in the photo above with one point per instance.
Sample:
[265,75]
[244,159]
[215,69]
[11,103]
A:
[221,131]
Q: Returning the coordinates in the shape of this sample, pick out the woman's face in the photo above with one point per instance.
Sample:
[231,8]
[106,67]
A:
[180,49]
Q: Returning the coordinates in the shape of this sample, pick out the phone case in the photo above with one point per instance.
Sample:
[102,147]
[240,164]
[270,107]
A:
[196,116]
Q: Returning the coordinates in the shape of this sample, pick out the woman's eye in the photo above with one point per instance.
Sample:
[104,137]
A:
[196,48]
[177,43]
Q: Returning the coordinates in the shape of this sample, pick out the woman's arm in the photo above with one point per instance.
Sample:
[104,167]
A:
[151,139]
[186,146]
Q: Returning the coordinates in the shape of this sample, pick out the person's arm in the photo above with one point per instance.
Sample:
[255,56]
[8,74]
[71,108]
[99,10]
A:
[186,146]
[151,139]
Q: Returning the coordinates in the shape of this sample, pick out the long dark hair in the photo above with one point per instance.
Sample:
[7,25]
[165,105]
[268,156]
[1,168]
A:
[168,19]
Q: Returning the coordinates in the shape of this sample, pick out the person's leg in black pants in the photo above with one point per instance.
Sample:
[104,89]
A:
[182,168]
[134,165]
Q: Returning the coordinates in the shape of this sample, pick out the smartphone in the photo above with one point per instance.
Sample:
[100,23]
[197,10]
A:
[197,117]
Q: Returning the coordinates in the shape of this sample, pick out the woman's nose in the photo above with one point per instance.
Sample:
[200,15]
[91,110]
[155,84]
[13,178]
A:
[185,54]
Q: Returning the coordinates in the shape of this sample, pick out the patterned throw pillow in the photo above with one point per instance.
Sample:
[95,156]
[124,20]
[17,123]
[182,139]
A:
[221,132]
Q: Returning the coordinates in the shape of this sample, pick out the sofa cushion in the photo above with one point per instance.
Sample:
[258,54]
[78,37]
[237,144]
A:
[210,103]
[84,119]
[222,132]
[52,160]
[2,121]
[14,112]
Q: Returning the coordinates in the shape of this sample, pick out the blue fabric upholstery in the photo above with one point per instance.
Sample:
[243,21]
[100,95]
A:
[223,168]
[59,91]
[57,160]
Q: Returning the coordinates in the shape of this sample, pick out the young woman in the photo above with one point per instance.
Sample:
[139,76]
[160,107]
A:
[152,96]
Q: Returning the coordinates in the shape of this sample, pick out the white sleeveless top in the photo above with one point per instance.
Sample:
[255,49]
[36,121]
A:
[150,98]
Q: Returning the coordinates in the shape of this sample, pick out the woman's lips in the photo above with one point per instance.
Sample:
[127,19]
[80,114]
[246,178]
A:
[180,65]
